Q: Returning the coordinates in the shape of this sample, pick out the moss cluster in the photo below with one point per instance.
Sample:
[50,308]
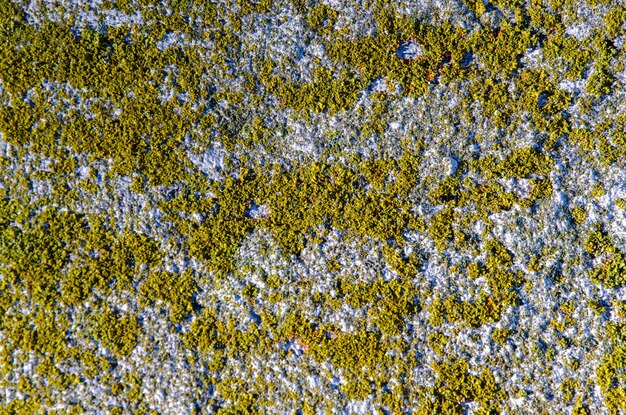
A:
[79,286]
[455,385]
[610,272]
[611,380]
[490,304]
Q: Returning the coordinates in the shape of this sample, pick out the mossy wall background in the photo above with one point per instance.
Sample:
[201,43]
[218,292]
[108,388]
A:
[313,207]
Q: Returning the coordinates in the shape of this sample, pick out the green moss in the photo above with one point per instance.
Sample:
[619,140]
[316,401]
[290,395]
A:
[248,6]
[455,385]
[610,379]
[620,308]
[568,389]
[352,350]
[520,163]
[489,198]
[525,161]
[203,333]
[579,214]
[358,389]
[500,335]
[250,291]
[616,332]
[53,259]
[544,20]
[322,18]
[605,50]
[389,314]
[610,272]
[476,6]
[583,137]
[580,409]
[145,136]
[116,332]
[375,56]
[541,189]
[614,21]
[501,50]
[326,93]
[217,238]
[597,190]
[407,266]
[495,98]
[437,342]
[390,302]
[298,202]
[540,97]
[485,310]
[239,394]
[175,289]
[441,227]
[574,53]
[447,190]
[600,82]
[488,307]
